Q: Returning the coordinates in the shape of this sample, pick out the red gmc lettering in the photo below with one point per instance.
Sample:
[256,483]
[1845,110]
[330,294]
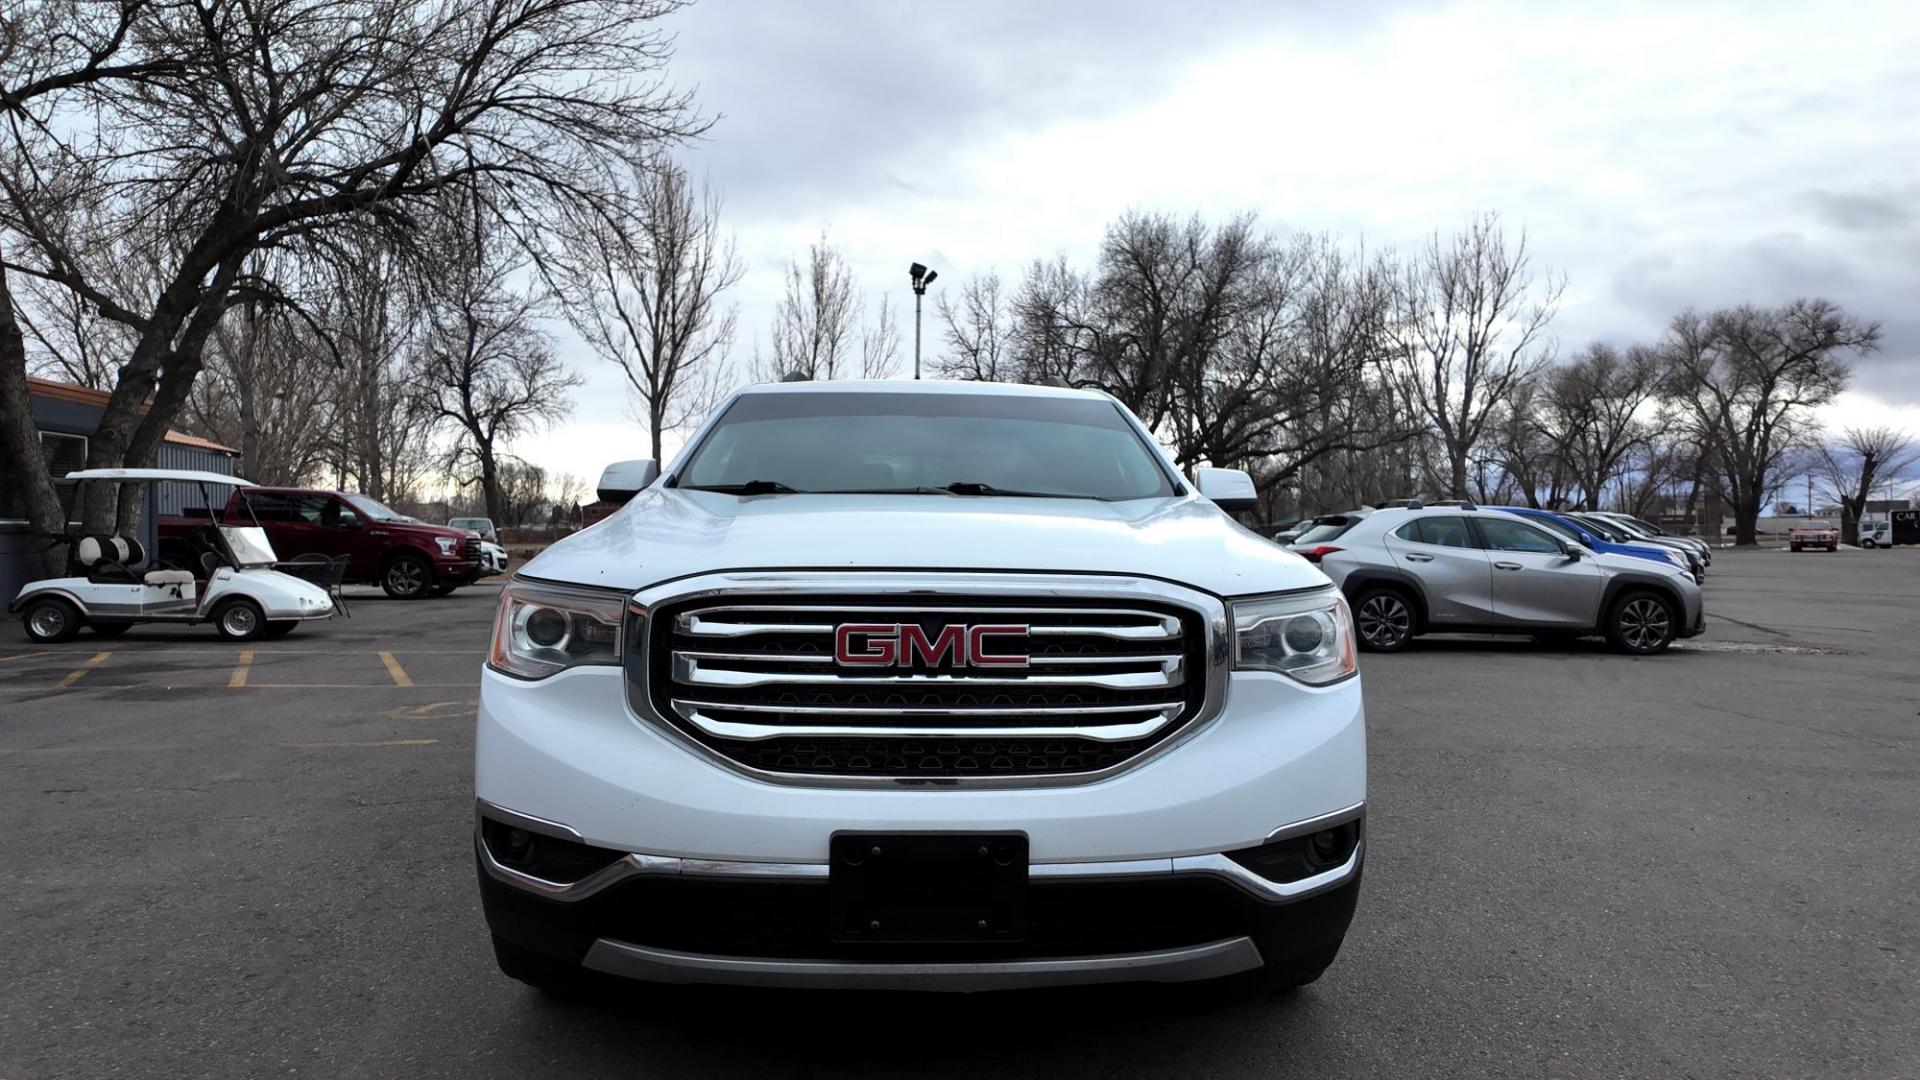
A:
[977,645]
[882,648]
[901,644]
[952,639]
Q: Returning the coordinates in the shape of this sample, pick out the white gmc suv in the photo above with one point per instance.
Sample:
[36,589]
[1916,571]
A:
[932,686]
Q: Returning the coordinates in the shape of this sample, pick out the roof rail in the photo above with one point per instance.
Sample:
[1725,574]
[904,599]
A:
[1464,504]
[1410,504]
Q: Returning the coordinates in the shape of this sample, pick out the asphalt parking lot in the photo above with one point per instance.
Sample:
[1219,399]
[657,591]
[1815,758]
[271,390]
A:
[232,861]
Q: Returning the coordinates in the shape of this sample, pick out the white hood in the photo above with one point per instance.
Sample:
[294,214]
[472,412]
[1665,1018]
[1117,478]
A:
[669,533]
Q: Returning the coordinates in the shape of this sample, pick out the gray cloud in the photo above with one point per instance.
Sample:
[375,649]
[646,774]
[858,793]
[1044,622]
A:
[1860,212]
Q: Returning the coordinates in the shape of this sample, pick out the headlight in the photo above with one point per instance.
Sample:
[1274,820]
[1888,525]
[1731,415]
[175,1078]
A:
[1309,637]
[446,544]
[541,629]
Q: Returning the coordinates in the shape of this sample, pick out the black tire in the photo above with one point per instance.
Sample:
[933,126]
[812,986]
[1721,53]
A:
[1642,623]
[50,620]
[239,619]
[110,629]
[1793,547]
[1383,619]
[279,627]
[537,971]
[406,577]
[1868,544]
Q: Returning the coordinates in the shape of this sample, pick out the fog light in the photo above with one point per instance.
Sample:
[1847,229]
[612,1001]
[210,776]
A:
[1324,847]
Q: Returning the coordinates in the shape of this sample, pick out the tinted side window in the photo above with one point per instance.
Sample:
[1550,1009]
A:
[1445,531]
[1516,536]
[1325,528]
[268,507]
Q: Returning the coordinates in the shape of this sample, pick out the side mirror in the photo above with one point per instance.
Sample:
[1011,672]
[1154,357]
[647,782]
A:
[1573,552]
[625,479]
[345,522]
[1230,489]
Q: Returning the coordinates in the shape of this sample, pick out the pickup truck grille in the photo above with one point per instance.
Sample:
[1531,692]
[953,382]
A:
[471,548]
[757,680]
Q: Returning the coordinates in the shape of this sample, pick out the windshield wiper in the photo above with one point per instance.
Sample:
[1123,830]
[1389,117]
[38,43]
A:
[751,487]
[974,487]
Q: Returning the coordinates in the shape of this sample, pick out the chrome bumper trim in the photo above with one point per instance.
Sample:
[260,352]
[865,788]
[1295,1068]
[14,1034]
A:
[639,865]
[1188,964]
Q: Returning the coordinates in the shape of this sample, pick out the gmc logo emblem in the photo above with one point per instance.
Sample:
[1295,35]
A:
[901,644]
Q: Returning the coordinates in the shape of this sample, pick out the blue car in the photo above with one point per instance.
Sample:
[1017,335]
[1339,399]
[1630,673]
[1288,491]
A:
[1568,529]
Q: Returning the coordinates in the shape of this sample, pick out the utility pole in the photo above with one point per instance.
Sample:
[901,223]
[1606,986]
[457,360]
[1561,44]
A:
[922,277]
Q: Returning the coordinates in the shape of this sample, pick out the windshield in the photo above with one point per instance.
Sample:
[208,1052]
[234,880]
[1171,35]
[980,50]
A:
[1606,530]
[1324,529]
[373,509]
[1819,525]
[936,444]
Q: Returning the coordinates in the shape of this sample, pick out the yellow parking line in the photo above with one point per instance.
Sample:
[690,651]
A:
[74,675]
[28,655]
[400,676]
[383,742]
[239,676]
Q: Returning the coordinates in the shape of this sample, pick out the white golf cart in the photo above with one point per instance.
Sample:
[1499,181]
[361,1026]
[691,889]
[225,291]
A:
[110,586]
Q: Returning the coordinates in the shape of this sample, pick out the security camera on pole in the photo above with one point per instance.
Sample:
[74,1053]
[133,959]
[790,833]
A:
[922,277]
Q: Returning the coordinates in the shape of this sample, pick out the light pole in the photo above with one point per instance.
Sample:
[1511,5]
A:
[922,277]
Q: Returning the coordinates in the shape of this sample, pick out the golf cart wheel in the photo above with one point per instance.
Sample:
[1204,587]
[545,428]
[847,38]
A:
[1642,623]
[51,619]
[110,629]
[407,577]
[239,619]
[1383,619]
[279,627]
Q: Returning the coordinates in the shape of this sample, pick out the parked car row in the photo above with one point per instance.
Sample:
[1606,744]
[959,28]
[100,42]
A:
[1410,569]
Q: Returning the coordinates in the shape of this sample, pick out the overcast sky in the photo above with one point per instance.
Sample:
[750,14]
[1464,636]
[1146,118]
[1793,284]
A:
[1661,156]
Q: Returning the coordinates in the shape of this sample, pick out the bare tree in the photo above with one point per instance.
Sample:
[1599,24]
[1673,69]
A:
[880,343]
[267,390]
[1863,459]
[1590,412]
[1471,325]
[204,132]
[1745,382]
[814,330]
[483,365]
[645,294]
[978,330]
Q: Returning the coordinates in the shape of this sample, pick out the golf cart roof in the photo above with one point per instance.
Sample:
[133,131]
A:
[191,476]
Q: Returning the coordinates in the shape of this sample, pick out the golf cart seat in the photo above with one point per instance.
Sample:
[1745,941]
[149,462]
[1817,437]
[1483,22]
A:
[107,559]
[169,577]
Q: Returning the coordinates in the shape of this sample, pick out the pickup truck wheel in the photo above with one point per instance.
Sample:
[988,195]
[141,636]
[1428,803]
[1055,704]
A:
[239,619]
[51,619]
[1642,623]
[1383,619]
[407,577]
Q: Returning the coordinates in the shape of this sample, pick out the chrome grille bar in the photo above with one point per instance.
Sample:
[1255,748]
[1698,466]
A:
[827,658]
[689,671]
[680,705]
[1158,628]
[731,729]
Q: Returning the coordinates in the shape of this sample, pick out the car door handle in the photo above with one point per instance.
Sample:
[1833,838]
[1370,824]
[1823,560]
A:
[1419,558]
[1508,566]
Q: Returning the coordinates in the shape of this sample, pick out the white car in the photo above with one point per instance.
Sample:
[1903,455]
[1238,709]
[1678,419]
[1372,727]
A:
[932,686]
[1876,534]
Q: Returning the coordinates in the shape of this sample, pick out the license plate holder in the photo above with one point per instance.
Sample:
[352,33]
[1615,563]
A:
[928,887]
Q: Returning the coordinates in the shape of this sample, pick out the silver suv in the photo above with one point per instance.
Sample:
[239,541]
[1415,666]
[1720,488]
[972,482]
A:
[1454,568]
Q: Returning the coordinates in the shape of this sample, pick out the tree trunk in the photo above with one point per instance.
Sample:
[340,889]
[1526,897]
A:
[1746,522]
[1457,460]
[490,487]
[26,469]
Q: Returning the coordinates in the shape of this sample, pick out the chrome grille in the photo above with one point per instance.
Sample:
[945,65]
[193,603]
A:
[756,680]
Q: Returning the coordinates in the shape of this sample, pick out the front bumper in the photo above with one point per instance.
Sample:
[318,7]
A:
[695,921]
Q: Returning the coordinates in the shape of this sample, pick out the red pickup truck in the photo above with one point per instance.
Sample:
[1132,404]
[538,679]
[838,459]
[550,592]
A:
[1814,534]
[407,558]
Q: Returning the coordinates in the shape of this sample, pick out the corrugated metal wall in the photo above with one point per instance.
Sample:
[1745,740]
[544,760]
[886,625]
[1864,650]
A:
[176,498]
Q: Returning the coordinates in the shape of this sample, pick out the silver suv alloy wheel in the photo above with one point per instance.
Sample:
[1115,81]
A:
[1384,620]
[1644,623]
